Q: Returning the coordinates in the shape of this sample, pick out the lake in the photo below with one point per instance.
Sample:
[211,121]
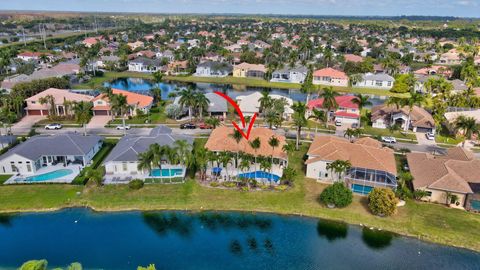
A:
[143,86]
[213,240]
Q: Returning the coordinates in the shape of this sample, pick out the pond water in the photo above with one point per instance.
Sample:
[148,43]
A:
[143,86]
[213,240]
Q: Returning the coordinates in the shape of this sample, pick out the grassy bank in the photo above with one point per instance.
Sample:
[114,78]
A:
[98,81]
[421,220]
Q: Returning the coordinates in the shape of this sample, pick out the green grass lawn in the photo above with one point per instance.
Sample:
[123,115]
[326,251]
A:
[421,220]
[4,177]
[447,139]
[385,132]
[98,81]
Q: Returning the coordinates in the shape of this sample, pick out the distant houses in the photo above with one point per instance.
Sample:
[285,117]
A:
[290,75]
[213,69]
[330,77]
[102,106]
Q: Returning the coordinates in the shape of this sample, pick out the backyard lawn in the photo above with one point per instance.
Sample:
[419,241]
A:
[4,177]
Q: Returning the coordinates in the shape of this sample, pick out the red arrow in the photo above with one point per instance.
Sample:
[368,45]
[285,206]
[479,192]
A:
[240,114]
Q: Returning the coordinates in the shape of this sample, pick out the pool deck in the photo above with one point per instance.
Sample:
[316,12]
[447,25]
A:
[232,171]
[125,178]
[18,179]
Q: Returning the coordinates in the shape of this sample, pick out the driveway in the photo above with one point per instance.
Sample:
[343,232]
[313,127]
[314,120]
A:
[26,123]
[98,121]
[422,139]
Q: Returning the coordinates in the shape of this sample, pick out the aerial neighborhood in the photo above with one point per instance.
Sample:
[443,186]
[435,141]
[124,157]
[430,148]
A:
[376,120]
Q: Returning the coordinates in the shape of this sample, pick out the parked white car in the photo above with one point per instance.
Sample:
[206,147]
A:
[338,123]
[53,126]
[430,136]
[389,139]
[122,127]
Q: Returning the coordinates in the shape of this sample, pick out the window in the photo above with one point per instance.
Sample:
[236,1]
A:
[389,83]
[29,167]
[378,83]
[429,194]
[124,166]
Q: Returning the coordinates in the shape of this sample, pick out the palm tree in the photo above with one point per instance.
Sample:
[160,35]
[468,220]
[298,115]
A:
[329,101]
[307,85]
[299,120]
[120,106]
[225,159]
[273,142]
[265,101]
[244,166]
[184,151]
[212,121]
[266,166]
[354,79]
[237,136]
[145,161]
[49,99]
[187,99]
[94,176]
[156,94]
[172,156]
[395,101]
[201,102]
[318,115]
[416,99]
[351,133]
[339,167]
[361,101]
[255,144]
[201,161]
[82,111]
[467,125]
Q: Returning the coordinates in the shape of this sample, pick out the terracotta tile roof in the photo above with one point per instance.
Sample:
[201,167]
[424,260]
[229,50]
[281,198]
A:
[60,95]
[353,58]
[369,142]
[419,116]
[451,172]
[346,114]
[132,98]
[248,66]
[330,72]
[361,154]
[343,102]
[221,140]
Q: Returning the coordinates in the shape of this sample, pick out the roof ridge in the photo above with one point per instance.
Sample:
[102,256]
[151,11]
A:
[76,145]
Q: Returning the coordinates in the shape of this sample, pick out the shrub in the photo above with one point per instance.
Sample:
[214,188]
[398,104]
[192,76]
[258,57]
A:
[281,187]
[337,194]
[214,184]
[136,184]
[229,184]
[382,202]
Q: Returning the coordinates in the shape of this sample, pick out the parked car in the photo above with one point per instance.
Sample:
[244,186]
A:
[53,126]
[188,126]
[430,136]
[389,139]
[122,127]
[338,123]
[204,126]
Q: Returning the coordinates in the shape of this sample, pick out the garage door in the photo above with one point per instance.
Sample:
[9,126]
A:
[34,112]
[423,130]
[100,112]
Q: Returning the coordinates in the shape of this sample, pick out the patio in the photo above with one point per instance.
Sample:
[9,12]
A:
[52,170]
[230,172]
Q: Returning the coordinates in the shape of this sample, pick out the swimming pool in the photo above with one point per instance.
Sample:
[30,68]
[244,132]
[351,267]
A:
[361,189]
[475,205]
[49,176]
[260,174]
[166,172]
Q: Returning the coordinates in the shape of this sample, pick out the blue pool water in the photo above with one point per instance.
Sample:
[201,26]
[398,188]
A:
[213,241]
[166,172]
[475,205]
[360,189]
[49,176]
[260,174]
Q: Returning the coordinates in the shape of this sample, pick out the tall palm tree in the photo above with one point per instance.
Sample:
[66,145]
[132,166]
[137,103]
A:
[120,106]
[354,79]
[255,144]
[299,120]
[339,167]
[329,101]
[274,143]
[352,133]
[416,99]
[184,151]
[225,159]
[145,161]
[237,136]
[156,94]
[266,166]
[467,125]
[201,161]
[83,112]
[307,85]
[265,101]
[50,100]
[201,102]
[319,116]
[362,101]
[187,99]
[173,158]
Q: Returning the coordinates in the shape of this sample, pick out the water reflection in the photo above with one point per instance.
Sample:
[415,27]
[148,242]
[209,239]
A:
[235,247]
[6,220]
[216,221]
[332,230]
[376,239]
[163,223]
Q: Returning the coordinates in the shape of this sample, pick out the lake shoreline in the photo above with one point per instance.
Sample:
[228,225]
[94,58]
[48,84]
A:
[257,211]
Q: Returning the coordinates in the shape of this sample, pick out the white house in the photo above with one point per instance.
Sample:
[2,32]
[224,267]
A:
[250,104]
[143,64]
[121,165]
[378,80]
[330,76]
[290,75]
[213,69]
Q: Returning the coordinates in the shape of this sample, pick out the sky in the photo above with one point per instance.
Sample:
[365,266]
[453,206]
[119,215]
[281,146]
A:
[457,8]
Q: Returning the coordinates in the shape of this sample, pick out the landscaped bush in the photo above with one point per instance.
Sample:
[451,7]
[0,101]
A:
[229,184]
[214,184]
[382,202]
[281,187]
[136,184]
[337,194]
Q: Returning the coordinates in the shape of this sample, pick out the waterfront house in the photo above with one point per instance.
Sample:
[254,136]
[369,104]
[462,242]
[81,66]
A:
[143,64]
[347,111]
[221,140]
[452,179]
[378,80]
[121,165]
[54,158]
[250,104]
[167,54]
[384,116]
[290,75]
[217,105]
[62,99]
[353,58]
[249,70]
[135,45]
[330,77]
[371,164]
[213,69]
[102,106]
[177,68]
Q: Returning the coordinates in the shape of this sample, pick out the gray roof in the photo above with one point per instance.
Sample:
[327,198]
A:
[299,69]
[378,77]
[458,85]
[7,139]
[213,65]
[128,148]
[67,144]
[147,61]
[217,103]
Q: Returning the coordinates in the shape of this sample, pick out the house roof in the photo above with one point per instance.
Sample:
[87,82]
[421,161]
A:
[221,140]
[60,95]
[128,148]
[214,65]
[452,116]
[454,171]
[330,72]
[217,103]
[419,117]
[147,61]
[140,100]
[298,69]
[361,154]
[377,77]
[343,102]
[353,58]
[248,66]
[66,144]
